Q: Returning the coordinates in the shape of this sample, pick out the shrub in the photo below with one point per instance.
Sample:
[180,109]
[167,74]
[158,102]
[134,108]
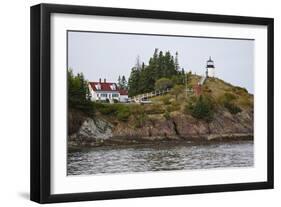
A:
[227,101]
[232,108]
[166,99]
[154,109]
[167,115]
[87,107]
[203,109]
[178,79]
[245,101]
[239,90]
[105,109]
[123,114]
[206,89]
[139,115]
[163,84]
[227,97]
[120,110]
[177,90]
[189,106]
[173,107]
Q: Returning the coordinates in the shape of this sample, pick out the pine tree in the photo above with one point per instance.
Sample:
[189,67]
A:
[124,84]
[133,83]
[119,83]
[161,65]
[78,92]
[177,62]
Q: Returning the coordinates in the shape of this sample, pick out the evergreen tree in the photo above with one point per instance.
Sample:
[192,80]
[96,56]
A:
[78,92]
[203,109]
[133,83]
[182,71]
[119,83]
[183,81]
[161,65]
[177,62]
[124,83]
[147,80]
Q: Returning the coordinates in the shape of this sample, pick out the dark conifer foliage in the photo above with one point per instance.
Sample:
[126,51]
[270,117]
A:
[79,96]
[161,65]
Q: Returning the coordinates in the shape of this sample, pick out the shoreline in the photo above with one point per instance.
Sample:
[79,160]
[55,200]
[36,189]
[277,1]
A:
[143,141]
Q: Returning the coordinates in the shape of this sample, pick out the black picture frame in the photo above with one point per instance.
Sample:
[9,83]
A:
[41,96]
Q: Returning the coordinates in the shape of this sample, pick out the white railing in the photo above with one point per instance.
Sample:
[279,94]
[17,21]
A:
[202,80]
[146,96]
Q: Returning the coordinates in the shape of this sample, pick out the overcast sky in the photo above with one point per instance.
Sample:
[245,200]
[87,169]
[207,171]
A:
[107,55]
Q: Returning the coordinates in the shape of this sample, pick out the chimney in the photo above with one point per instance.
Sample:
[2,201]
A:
[100,80]
[104,80]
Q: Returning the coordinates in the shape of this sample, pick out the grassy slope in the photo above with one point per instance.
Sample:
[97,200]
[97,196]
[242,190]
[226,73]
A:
[214,88]
[168,105]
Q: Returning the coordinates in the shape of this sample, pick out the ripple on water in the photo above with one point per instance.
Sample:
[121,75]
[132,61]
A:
[160,157]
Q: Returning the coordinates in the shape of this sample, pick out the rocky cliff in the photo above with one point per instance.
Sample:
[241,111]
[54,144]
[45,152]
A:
[98,131]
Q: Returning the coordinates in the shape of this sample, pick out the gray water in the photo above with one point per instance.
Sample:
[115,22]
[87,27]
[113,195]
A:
[159,157]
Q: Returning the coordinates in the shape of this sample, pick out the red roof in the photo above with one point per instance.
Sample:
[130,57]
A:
[105,86]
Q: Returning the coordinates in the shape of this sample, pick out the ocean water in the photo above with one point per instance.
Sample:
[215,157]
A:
[160,157]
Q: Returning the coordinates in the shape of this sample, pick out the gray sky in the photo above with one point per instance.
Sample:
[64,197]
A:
[107,55]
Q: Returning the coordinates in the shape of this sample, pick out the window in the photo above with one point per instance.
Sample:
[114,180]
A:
[98,86]
[104,95]
[115,95]
[113,87]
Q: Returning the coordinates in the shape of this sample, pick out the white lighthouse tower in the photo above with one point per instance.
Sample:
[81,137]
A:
[210,68]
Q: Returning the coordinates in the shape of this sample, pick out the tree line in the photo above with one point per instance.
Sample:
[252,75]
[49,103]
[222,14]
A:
[161,65]
[79,96]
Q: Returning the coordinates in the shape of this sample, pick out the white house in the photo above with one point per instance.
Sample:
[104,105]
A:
[107,91]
